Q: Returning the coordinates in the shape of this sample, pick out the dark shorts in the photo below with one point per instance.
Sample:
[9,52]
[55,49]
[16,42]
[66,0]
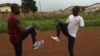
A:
[64,29]
[71,39]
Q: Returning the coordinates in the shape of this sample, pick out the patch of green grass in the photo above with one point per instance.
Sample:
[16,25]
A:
[92,23]
[3,26]
[45,23]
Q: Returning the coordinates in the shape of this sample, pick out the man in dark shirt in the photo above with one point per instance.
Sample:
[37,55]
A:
[18,33]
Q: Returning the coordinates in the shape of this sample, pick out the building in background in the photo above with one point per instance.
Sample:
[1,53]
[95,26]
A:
[91,8]
[5,8]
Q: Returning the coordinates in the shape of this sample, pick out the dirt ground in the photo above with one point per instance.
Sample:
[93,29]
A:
[87,44]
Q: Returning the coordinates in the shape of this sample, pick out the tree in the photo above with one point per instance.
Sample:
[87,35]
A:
[29,5]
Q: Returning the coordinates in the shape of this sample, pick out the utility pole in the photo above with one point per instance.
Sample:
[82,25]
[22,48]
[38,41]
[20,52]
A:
[40,5]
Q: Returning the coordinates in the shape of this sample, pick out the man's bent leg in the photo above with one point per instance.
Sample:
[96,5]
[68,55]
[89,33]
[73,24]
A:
[32,32]
[60,27]
[63,28]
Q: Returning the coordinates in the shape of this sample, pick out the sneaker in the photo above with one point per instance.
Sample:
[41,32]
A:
[38,44]
[55,39]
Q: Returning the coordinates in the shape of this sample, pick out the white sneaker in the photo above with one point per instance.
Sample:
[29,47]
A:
[38,44]
[55,39]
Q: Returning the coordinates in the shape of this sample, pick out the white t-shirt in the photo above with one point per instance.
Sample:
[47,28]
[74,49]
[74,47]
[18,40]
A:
[73,24]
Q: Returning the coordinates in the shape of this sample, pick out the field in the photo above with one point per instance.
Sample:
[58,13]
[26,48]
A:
[87,44]
[87,41]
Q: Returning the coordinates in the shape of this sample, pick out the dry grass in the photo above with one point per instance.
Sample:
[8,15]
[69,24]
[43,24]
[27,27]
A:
[37,15]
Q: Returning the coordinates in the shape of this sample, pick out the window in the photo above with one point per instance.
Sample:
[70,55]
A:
[6,10]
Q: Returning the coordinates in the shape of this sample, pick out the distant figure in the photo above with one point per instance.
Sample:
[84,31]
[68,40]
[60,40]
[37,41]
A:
[18,33]
[70,28]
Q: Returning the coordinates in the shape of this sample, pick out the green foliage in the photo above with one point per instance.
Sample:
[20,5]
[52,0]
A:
[92,23]
[3,26]
[28,5]
[92,19]
[43,24]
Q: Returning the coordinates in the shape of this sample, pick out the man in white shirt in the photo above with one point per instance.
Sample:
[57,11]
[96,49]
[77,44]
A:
[70,28]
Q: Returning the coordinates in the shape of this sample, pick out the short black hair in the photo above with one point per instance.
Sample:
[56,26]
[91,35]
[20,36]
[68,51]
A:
[13,6]
[76,7]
